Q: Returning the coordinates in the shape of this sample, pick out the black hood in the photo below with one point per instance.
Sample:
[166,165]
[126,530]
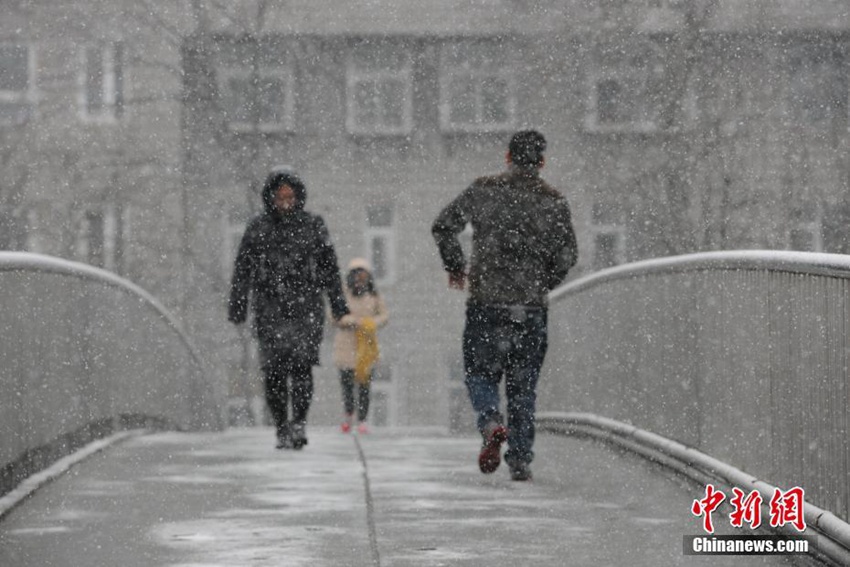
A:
[280,177]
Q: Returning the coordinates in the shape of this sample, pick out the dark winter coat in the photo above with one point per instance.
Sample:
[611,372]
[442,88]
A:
[523,241]
[285,263]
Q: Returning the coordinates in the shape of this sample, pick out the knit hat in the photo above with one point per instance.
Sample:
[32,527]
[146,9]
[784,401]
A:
[361,263]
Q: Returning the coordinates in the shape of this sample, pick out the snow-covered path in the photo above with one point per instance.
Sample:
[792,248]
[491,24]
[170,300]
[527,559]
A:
[231,499]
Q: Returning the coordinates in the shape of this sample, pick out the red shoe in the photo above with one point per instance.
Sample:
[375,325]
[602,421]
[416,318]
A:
[363,429]
[490,456]
[346,425]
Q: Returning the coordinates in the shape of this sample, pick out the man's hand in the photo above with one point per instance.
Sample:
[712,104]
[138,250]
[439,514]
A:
[457,280]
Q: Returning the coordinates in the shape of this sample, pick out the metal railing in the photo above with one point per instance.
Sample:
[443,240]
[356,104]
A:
[741,355]
[83,350]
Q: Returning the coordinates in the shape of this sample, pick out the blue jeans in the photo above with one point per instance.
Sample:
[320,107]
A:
[509,342]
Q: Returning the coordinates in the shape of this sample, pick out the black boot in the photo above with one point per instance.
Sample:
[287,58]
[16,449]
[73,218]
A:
[299,437]
[520,471]
[284,437]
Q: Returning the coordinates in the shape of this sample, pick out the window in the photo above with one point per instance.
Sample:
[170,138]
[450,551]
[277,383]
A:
[623,93]
[100,237]
[476,88]
[380,90]
[102,83]
[608,236]
[380,243]
[263,97]
[817,87]
[16,83]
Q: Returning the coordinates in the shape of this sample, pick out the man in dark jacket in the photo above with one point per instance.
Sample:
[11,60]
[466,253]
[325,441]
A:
[285,263]
[523,245]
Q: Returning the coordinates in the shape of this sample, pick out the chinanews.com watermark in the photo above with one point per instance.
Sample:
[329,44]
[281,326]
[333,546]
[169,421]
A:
[746,545]
[785,510]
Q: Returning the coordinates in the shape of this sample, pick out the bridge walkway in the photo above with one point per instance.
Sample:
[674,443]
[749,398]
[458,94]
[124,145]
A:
[398,498]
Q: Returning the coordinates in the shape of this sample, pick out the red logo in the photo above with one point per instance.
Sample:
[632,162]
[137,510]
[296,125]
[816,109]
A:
[707,505]
[786,508]
[746,509]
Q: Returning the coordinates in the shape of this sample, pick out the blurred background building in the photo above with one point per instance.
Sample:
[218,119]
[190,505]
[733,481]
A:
[135,136]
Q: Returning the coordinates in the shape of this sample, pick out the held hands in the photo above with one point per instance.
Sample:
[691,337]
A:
[457,280]
[354,323]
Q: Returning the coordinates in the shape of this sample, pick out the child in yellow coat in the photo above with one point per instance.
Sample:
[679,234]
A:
[356,341]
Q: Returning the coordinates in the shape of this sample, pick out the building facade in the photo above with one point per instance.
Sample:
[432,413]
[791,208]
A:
[136,136]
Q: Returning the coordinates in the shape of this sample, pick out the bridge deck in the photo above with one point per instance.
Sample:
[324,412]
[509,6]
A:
[194,500]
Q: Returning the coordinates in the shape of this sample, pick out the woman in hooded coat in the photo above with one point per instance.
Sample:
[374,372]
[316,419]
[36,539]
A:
[356,344]
[284,265]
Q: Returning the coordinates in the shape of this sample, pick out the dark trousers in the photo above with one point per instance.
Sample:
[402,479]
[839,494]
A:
[346,378]
[507,342]
[286,379]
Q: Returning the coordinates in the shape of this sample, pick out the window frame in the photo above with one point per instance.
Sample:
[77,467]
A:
[355,74]
[821,67]
[26,97]
[449,72]
[113,237]
[605,220]
[592,120]
[284,71]
[387,233]
[112,58]
[644,65]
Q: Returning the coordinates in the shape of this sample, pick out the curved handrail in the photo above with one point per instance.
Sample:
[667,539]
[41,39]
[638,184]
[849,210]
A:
[76,381]
[712,328]
[832,265]
[28,261]
[697,466]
